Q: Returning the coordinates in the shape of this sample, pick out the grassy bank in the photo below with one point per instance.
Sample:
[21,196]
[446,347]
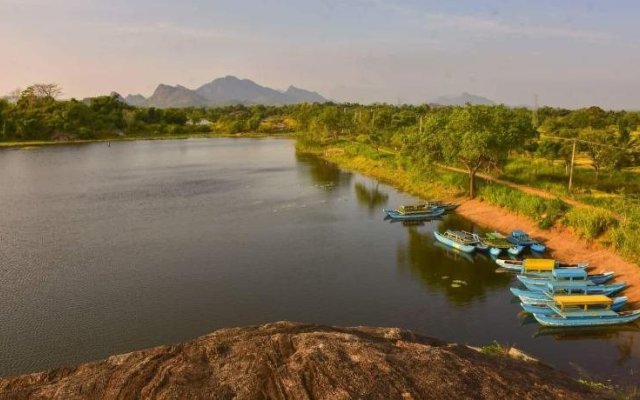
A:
[597,223]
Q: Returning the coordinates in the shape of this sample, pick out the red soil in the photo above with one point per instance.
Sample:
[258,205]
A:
[561,242]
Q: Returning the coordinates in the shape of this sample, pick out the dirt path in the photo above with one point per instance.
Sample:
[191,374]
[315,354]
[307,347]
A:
[522,188]
[562,243]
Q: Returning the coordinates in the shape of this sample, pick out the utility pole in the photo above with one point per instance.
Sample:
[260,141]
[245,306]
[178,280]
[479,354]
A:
[573,157]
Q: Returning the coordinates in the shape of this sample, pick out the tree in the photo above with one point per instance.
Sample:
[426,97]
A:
[480,137]
[600,147]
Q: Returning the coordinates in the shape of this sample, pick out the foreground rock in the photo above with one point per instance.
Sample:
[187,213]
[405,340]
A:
[286,360]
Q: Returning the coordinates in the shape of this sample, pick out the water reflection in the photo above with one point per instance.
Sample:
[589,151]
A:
[372,198]
[441,269]
[323,173]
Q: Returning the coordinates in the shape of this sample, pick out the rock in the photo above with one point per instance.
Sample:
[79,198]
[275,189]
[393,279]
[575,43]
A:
[286,360]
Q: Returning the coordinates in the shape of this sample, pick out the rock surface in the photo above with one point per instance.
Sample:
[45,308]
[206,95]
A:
[287,360]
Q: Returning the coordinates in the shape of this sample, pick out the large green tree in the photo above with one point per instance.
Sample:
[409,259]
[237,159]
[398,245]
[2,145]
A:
[480,137]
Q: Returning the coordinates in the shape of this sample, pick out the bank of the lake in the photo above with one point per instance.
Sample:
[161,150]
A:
[563,242]
[287,360]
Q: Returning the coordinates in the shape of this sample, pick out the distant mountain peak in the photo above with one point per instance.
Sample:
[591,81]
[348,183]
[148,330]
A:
[462,99]
[223,91]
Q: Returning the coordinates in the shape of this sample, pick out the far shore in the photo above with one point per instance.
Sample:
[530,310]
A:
[37,143]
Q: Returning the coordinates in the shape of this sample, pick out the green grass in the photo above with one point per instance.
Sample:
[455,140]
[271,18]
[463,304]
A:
[590,223]
[544,211]
[495,349]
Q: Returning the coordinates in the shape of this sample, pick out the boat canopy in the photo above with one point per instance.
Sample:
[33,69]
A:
[538,264]
[582,300]
[570,273]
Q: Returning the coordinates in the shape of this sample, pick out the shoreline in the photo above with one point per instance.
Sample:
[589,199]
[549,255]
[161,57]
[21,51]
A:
[43,143]
[562,243]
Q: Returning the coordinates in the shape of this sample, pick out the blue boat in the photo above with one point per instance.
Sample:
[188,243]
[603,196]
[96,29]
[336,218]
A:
[584,311]
[543,306]
[566,288]
[516,250]
[588,318]
[521,238]
[567,274]
[413,213]
[461,240]
[542,267]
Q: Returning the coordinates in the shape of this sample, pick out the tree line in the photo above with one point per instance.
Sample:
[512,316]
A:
[474,137]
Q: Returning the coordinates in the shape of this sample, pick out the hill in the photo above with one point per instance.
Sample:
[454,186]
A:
[461,99]
[223,91]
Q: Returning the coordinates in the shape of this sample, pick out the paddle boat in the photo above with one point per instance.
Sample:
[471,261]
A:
[543,306]
[461,240]
[542,267]
[496,243]
[584,311]
[521,238]
[566,274]
[413,212]
[566,288]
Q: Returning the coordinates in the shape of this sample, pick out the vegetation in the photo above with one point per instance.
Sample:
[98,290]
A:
[404,144]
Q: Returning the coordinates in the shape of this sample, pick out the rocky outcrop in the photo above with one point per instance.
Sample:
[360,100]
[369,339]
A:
[287,360]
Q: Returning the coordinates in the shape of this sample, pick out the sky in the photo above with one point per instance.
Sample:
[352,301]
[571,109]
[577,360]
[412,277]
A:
[570,53]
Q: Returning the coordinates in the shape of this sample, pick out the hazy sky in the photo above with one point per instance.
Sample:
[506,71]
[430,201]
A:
[571,53]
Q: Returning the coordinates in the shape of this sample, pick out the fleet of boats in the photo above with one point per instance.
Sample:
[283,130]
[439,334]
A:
[555,293]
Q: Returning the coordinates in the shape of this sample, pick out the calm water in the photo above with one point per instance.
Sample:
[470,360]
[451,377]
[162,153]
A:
[106,250]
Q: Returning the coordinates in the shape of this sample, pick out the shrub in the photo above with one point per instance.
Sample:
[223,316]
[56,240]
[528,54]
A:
[590,222]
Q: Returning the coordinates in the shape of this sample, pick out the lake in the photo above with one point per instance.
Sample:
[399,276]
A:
[105,250]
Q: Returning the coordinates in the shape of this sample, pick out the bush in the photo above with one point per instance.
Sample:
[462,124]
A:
[544,211]
[590,222]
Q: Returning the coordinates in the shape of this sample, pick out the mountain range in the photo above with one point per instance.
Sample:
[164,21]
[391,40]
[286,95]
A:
[223,91]
[461,99]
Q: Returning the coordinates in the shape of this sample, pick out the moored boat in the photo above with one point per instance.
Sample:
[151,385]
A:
[564,274]
[567,288]
[448,207]
[544,306]
[495,243]
[522,238]
[584,311]
[413,213]
[537,266]
[461,240]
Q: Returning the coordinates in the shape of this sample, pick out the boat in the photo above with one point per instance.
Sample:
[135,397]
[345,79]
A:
[448,207]
[413,213]
[461,240]
[516,250]
[496,243]
[566,288]
[543,306]
[537,266]
[522,238]
[584,311]
[564,274]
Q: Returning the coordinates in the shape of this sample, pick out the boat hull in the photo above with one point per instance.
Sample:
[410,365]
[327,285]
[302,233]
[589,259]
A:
[394,214]
[556,320]
[458,246]
[542,307]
